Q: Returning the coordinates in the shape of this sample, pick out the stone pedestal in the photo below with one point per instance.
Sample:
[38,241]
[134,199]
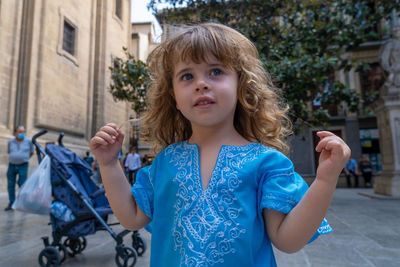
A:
[387,111]
[387,184]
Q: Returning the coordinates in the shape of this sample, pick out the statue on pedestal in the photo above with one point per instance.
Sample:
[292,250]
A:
[387,111]
[390,58]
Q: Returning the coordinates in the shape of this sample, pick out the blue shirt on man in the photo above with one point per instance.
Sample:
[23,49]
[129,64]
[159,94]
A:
[351,165]
[19,153]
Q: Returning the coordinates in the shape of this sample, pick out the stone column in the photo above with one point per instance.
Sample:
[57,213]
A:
[387,110]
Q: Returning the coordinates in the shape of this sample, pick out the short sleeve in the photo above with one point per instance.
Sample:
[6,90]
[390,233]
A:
[282,188]
[282,191]
[143,190]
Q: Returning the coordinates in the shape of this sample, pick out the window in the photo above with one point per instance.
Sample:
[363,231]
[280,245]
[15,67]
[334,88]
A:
[118,9]
[69,38]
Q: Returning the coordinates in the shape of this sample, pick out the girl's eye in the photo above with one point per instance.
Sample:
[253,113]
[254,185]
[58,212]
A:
[186,77]
[216,72]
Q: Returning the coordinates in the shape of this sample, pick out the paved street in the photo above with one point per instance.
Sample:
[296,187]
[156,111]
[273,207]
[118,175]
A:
[366,233]
[21,243]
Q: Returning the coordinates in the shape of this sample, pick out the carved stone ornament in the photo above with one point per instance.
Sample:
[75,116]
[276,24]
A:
[390,58]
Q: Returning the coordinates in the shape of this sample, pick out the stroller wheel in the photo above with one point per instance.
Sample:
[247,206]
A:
[75,245]
[138,244]
[82,241]
[63,252]
[49,257]
[126,256]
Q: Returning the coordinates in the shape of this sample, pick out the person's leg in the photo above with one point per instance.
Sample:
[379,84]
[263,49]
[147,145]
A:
[11,177]
[23,174]
[134,175]
[348,181]
[367,179]
[355,179]
[130,177]
[363,174]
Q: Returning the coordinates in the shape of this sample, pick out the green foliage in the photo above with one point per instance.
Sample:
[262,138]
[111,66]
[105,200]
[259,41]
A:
[129,81]
[302,43]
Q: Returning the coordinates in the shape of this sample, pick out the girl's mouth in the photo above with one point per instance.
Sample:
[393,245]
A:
[204,101]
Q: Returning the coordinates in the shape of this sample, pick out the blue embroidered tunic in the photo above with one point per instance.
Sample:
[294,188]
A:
[223,224]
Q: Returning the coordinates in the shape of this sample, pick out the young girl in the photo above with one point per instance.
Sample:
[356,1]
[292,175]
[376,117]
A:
[220,190]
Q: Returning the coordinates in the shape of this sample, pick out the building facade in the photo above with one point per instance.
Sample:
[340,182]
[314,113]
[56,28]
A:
[54,69]
[142,39]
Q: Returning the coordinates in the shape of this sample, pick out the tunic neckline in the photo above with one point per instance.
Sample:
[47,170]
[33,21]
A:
[221,152]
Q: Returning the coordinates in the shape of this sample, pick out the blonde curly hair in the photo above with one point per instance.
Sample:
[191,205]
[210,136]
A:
[260,115]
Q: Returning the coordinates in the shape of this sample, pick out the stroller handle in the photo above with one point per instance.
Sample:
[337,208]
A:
[39,149]
[60,137]
[36,136]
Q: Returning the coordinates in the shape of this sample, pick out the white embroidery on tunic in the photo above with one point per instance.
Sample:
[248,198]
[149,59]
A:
[206,220]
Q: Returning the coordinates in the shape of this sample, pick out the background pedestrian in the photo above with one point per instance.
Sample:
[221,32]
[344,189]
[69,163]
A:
[19,149]
[96,173]
[366,170]
[88,158]
[132,165]
[145,161]
[351,169]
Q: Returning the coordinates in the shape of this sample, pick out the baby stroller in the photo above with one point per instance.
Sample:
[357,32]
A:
[72,186]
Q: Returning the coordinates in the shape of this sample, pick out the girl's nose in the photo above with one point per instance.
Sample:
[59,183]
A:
[202,85]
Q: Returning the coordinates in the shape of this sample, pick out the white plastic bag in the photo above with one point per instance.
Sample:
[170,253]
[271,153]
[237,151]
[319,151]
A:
[35,194]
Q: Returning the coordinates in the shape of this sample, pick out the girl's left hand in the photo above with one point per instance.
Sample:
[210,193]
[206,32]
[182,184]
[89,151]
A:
[334,155]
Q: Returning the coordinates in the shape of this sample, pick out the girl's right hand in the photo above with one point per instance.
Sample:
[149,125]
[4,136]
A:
[107,144]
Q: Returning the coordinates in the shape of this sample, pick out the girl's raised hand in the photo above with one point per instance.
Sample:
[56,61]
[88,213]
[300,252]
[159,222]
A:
[334,155]
[107,143]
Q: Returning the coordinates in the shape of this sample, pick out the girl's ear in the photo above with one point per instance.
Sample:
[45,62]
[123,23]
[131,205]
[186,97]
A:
[171,92]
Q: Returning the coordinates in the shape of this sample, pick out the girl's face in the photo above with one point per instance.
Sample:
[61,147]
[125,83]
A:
[205,93]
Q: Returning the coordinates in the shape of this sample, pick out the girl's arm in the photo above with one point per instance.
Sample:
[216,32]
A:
[106,145]
[291,232]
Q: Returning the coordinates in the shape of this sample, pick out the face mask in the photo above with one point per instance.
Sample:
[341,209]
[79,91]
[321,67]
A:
[21,136]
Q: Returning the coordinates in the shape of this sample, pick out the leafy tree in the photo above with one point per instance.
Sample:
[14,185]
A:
[301,42]
[129,78]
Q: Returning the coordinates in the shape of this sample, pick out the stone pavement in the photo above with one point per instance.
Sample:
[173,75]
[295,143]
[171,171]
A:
[366,233]
[21,243]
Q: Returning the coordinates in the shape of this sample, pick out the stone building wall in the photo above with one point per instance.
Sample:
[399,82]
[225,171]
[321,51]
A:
[42,86]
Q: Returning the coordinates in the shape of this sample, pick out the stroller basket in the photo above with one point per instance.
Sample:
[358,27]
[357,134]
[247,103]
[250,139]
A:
[73,187]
